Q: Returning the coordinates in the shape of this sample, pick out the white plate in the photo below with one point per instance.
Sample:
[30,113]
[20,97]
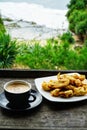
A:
[47,95]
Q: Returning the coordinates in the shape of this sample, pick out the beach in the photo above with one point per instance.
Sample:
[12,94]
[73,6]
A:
[27,20]
[24,30]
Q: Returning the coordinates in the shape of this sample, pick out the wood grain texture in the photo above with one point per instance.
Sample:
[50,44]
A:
[48,115]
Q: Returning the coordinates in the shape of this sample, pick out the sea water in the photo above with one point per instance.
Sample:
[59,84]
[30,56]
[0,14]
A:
[37,19]
[50,13]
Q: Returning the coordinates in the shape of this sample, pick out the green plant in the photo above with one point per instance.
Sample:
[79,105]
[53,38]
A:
[50,56]
[8,50]
[77,17]
[2,27]
[53,55]
[67,37]
[85,43]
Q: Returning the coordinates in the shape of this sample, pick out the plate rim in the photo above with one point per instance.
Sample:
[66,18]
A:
[60,99]
[25,109]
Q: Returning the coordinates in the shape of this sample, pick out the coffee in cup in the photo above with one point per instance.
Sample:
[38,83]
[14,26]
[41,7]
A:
[17,92]
[17,87]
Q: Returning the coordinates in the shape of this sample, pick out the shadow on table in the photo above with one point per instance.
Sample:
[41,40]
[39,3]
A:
[20,113]
[46,106]
[64,105]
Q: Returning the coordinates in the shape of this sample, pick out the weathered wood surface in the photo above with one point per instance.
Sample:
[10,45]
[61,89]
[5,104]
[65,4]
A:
[57,116]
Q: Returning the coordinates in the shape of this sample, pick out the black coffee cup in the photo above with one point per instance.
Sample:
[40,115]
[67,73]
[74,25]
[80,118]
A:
[17,92]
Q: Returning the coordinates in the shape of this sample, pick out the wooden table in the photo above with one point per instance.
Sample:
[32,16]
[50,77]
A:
[48,115]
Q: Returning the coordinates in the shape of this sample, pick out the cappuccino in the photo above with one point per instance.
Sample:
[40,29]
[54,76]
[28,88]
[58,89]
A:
[17,87]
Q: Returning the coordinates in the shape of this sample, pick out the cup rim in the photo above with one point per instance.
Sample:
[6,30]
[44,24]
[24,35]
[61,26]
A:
[19,81]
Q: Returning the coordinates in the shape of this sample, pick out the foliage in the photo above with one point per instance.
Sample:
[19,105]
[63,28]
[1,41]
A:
[8,50]
[53,55]
[67,37]
[85,43]
[35,56]
[77,17]
[2,27]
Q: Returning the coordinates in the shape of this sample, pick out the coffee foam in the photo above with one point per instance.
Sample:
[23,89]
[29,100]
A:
[17,87]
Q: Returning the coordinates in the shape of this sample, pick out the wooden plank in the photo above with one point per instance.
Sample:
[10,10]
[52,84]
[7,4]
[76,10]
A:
[33,73]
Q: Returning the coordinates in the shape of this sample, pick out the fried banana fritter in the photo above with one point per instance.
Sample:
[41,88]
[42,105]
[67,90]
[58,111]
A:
[66,85]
